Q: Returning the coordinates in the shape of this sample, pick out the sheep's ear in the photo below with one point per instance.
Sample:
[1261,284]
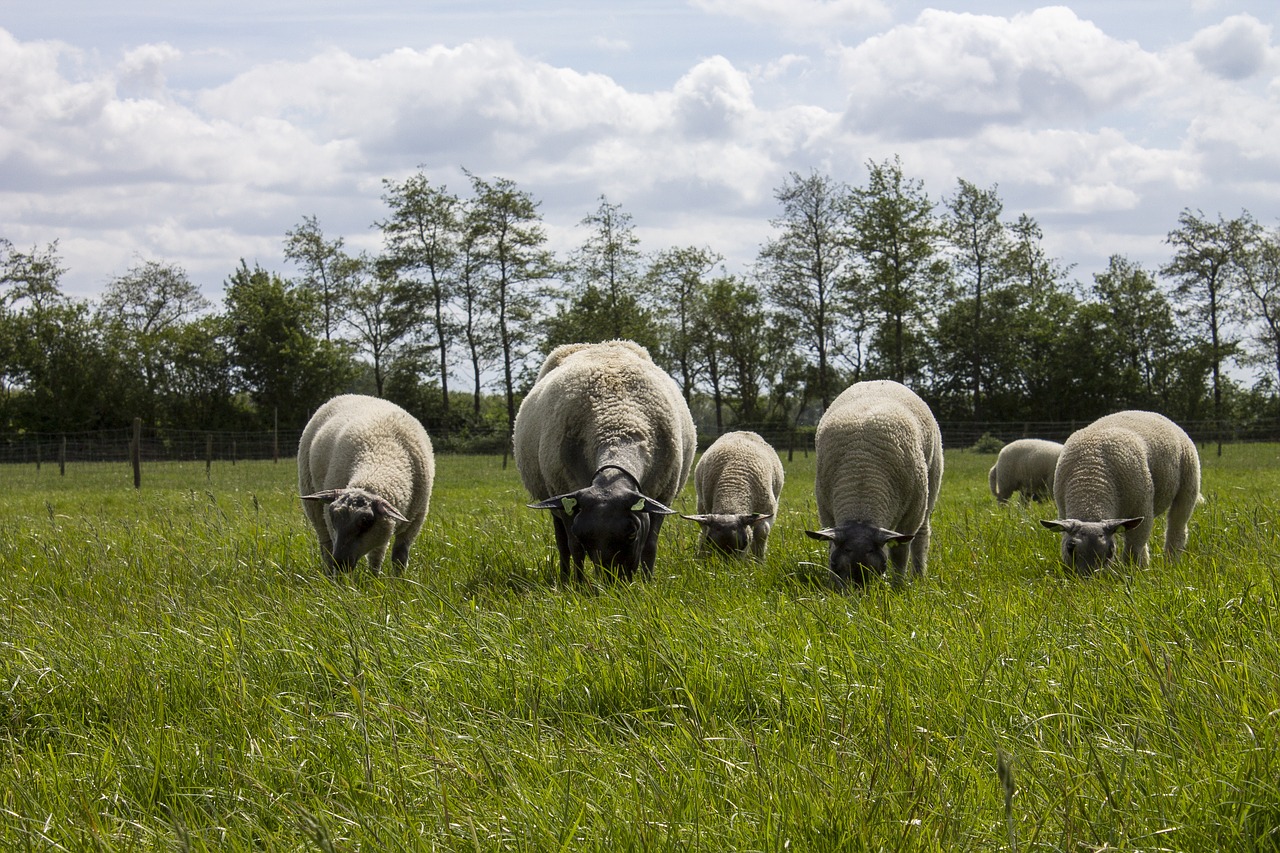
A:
[327,496]
[644,504]
[1057,525]
[1111,525]
[827,534]
[565,503]
[382,506]
[885,535]
[755,517]
[701,519]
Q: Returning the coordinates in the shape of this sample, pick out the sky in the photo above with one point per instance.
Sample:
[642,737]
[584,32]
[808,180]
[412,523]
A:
[199,133]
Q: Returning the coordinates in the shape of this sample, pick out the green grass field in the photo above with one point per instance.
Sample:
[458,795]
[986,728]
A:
[177,673]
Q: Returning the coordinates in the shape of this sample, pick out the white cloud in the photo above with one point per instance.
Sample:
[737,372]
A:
[1236,49]
[949,73]
[810,20]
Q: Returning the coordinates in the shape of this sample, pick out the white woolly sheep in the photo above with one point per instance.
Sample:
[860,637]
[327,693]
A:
[1025,466]
[879,466]
[738,481]
[605,441]
[365,471]
[1121,471]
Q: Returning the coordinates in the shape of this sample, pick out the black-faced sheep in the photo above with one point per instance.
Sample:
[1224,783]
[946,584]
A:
[1025,466]
[1120,472]
[738,481]
[365,471]
[605,441]
[879,465]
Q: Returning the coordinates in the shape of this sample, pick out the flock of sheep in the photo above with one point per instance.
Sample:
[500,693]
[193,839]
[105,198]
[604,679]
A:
[604,441]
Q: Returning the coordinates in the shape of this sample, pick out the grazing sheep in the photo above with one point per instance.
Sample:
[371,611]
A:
[1025,466]
[738,482]
[365,470]
[605,441]
[1120,472]
[879,468]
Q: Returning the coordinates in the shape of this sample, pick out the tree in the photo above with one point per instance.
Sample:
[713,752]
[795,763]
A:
[808,268]
[895,235]
[422,238]
[31,278]
[608,262]
[324,268]
[378,312]
[1205,263]
[273,331]
[142,313]
[1141,334]
[735,323]
[511,257]
[674,282]
[979,242]
[1260,283]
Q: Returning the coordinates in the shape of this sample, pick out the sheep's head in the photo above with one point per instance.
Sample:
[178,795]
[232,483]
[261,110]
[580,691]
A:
[858,550]
[732,533]
[609,521]
[358,522]
[1087,545]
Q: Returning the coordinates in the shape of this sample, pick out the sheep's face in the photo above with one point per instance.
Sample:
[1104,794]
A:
[730,533]
[857,551]
[1088,545]
[359,521]
[610,524]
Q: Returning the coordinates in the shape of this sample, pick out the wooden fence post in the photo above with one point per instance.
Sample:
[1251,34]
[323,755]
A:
[38,452]
[62,458]
[135,452]
[208,455]
[233,451]
[275,435]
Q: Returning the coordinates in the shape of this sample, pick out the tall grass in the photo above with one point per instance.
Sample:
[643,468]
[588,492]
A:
[177,673]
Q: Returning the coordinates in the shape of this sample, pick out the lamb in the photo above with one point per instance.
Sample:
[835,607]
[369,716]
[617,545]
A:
[604,440]
[1120,472]
[879,459]
[738,481]
[365,471]
[1025,466]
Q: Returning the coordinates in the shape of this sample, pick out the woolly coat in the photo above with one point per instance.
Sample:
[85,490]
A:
[358,442]
[739,473]
[879,461]
[1027,466]
[603,404]
[1130,464]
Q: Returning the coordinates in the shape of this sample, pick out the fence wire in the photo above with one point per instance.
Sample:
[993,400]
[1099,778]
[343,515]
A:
[180,445]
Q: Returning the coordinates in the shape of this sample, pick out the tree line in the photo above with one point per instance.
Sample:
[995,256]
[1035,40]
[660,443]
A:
[950,296]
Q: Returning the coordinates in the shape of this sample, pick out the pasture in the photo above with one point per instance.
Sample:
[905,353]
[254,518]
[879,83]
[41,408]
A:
[177,673]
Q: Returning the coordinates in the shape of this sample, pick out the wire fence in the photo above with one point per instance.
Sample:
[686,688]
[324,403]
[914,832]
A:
[157,444]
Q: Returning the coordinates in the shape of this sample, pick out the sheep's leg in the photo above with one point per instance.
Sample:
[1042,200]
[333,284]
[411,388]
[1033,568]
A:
[376,556]
[572,554]
[1175,532]
[649,552]
[1136,541]
[326,556]
[400,554]
[920,549]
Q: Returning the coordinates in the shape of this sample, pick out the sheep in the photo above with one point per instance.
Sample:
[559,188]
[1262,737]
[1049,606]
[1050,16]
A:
[879,460]
[365,471]
[738,482]
[604,440]
[1025,466]
[1120,472]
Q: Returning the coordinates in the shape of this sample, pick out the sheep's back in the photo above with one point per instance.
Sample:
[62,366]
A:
[739,473]
[356,441]
[1127,464]
[593,400]
[879,458]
